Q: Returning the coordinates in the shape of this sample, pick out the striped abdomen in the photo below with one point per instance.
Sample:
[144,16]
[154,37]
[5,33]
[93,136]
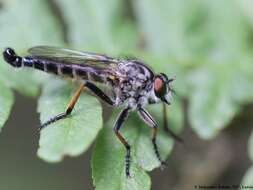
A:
[69,70]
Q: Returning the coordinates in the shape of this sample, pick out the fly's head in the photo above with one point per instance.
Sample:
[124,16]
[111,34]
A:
[163,88]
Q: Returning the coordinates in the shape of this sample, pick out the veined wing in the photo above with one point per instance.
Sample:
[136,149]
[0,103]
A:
[68,56]
[85,65]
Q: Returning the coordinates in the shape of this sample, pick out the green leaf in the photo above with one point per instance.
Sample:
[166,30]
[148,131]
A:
[70,136]
[227,28]
[246,6]
[191,30]
[108,166]
[19,29]
[218,91]
[102,27]
[172,28]
[248,178]
[222,85]
[18,79]
[6,102]
[94,30]
[42,30]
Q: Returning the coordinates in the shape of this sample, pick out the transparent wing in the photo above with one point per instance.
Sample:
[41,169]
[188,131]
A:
[67,56]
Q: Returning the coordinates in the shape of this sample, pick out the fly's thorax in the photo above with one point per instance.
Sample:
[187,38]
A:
[135,102]
[136,70]
[133,89]
[142,101]
[137,76]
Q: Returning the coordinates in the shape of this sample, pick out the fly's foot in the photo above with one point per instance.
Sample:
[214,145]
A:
[163,165]
[128,161]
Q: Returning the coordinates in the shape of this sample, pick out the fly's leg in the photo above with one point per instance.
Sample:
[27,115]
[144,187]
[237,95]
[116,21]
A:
[167,129]
[147,118]
[121,118]
[73,101]
[68,111]
[99,93]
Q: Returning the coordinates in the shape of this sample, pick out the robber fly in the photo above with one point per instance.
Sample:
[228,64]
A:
[133,84]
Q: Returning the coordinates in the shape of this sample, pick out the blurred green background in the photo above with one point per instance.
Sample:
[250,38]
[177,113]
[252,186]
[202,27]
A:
[207,45]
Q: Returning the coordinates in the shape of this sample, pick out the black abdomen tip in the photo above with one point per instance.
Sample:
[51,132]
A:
[11,57]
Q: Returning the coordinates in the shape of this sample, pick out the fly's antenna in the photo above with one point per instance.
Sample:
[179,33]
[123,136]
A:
[170,80]
[11,57]
[170,88]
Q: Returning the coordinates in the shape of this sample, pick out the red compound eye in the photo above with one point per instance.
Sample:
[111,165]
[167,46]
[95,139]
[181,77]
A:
[159,87]
[158,84]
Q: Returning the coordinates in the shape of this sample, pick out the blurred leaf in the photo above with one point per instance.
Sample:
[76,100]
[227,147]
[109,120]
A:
[218,91]
[108,165]
[36,26]
[167,27]
[227,28]
[222,85]
[18,79]
[70,136]
[158,19]
[22,29]
[208,74]
[100,27]
[248,178]
[6,102]
[246,6]
[189,31]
